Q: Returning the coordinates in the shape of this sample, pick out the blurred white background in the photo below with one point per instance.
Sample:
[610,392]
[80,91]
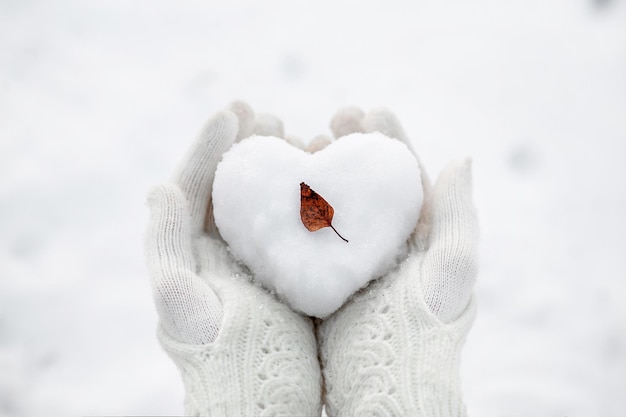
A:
[100,99]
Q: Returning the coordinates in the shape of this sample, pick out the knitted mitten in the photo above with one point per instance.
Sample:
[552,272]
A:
[239,350]
[264,359]
[394,348]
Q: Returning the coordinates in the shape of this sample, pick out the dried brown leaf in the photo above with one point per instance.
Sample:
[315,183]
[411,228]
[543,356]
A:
[315,212]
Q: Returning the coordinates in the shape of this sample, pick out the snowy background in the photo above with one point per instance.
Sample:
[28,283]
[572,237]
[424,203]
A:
[100,99]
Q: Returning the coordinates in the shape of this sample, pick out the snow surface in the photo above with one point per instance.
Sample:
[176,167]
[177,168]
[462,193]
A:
[100,99]
[373,184]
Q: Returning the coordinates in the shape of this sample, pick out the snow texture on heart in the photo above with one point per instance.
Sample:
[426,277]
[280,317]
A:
[374,186]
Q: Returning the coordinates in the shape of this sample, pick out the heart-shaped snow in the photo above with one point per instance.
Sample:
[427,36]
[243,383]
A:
[372,182]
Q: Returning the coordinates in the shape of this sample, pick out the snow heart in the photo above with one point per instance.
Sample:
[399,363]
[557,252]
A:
[373,184]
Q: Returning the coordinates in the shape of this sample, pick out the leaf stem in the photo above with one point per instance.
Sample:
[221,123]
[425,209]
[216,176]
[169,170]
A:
[344,239]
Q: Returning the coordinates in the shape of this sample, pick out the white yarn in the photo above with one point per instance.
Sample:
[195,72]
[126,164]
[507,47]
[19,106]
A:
[188,307]
[447,222]
[239,350]
[264,359]
[394,349]
[195,176]
[385,354]
[450,264]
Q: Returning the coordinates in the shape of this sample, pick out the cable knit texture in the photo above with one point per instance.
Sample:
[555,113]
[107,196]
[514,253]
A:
[262,363]
[386,354]
[393,350]
[240,351]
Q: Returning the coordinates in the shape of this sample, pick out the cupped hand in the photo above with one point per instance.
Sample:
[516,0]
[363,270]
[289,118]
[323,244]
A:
[394,348]
[240,350]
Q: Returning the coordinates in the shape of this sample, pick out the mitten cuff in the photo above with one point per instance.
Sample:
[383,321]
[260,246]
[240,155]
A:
[263,362]
[385,353]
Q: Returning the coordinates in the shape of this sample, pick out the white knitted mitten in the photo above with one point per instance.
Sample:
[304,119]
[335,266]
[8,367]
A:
[239,350]
[394,348]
